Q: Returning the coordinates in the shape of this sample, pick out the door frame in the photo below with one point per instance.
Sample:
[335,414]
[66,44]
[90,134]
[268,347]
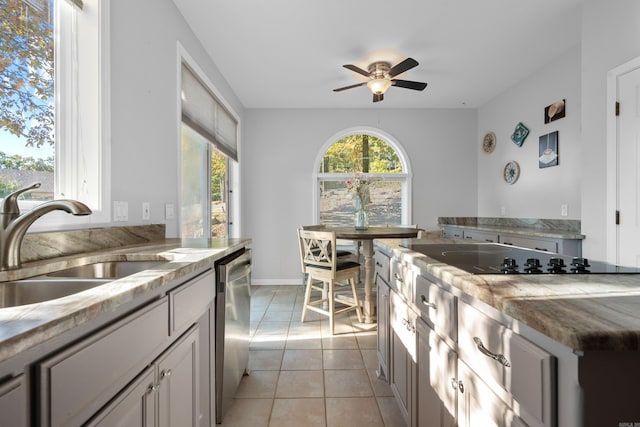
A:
[612,156]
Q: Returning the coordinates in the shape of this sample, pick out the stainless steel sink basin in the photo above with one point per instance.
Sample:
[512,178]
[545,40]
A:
[30,291]
[106,270]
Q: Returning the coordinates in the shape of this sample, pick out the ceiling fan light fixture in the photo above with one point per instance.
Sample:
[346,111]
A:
[379,86]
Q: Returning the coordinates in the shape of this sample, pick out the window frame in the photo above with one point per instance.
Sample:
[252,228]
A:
[404,178]
[78,140]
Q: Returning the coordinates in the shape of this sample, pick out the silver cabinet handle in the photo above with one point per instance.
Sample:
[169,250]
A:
[454,383]
[498,357]
[152,388]
[426,302]
[461,386]
[398,277]
[165,374]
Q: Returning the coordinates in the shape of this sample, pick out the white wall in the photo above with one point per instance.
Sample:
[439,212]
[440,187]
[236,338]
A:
[144,113]
[539,193]
[610,37]
[281,146]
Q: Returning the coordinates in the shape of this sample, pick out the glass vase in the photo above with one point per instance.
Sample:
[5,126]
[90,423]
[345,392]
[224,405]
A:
[361,216]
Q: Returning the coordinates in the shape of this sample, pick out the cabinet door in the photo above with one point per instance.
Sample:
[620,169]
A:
[178,382]
[436,372]
[134,406]
[402,354]
[383,330]
[478,406]
[13,405]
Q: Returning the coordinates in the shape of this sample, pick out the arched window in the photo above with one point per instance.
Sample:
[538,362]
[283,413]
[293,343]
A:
[369,154]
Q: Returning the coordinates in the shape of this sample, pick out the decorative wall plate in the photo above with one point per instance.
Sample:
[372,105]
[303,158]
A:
[519,134]
[511,172]
[489,142]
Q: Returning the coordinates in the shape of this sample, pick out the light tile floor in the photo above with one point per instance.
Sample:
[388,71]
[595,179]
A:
[301,375]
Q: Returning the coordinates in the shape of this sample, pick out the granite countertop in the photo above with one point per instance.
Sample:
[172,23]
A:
[531,227]
[523,231]
[26,326]
[583,312]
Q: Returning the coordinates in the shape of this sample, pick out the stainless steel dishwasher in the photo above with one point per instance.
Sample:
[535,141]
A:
[233,280]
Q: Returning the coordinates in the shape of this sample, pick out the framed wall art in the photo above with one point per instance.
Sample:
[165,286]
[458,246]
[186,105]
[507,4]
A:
[555,111]
[548,150]
[519,134]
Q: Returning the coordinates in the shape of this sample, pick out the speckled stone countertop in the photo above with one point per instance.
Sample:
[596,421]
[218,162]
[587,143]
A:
[26,326]
[552,228]
[583,312]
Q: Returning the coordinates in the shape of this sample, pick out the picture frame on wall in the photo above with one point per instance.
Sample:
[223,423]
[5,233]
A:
[548,150]
[555,111]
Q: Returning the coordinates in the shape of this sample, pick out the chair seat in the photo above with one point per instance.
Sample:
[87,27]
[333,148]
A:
[340,265]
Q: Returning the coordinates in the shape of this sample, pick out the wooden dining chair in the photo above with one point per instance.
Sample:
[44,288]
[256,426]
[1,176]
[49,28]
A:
[318,256]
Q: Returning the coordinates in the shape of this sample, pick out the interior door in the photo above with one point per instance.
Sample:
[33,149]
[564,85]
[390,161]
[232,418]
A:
[628,197]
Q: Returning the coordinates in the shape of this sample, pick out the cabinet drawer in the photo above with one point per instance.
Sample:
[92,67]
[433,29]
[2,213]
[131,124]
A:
[452,232]
[403,280]
[438,307]
[482,236]
[530,243]
[382,265]
[518,371]
[403,323]
[188,302]
[77,382]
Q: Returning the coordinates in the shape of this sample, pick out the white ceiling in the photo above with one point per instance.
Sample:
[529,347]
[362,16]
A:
[289,53]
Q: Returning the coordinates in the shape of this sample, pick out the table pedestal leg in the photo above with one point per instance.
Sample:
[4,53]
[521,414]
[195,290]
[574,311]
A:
[369,303]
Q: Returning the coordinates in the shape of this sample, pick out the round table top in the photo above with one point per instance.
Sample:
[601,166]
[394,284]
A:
[350,233]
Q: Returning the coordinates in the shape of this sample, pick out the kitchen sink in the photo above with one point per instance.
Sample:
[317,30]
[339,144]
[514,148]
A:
[106,270]
[30,291]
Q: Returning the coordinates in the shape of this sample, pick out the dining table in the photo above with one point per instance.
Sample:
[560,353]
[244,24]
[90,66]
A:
[366,237]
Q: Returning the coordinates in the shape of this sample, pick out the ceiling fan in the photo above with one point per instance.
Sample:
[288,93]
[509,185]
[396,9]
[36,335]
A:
[381,76]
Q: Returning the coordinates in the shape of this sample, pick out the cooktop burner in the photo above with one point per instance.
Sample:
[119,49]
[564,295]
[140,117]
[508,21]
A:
[494,258]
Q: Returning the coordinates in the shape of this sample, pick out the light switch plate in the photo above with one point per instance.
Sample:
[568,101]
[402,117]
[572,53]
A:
[169,211]
[564,210]
[120,211]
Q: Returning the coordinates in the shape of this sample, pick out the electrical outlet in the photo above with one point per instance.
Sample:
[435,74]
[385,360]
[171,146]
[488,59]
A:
[503,211]
[146,210]
[564,210]
[169,211]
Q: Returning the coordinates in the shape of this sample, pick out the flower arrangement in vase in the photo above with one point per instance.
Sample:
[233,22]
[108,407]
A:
[359,186]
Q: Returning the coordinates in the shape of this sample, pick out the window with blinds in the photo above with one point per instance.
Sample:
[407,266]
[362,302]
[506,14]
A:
[202,112]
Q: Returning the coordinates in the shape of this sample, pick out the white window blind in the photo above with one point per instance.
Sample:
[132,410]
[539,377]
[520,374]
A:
[205,115]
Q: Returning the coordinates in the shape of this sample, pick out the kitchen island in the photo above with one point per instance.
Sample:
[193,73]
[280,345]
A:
[577,339]
[106,352]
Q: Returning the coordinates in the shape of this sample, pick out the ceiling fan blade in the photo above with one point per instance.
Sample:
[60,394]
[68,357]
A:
[356,69]
[377,97]
[349,87]
[403,66]
[409,84]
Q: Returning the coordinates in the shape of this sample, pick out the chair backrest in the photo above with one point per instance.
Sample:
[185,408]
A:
[317,249]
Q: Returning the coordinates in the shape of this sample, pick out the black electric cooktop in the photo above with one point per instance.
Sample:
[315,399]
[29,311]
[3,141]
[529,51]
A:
[494,258]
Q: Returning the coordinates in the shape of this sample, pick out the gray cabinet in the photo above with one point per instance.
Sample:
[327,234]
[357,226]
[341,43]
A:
[13,402]
[75,383]
[403,356]
[570,247]
[481,236]
[165,394]
[436,372]
[153,367]
[135,406]
[382,311]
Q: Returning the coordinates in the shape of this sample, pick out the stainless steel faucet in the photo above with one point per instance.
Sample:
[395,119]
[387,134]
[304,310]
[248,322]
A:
[13,226]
